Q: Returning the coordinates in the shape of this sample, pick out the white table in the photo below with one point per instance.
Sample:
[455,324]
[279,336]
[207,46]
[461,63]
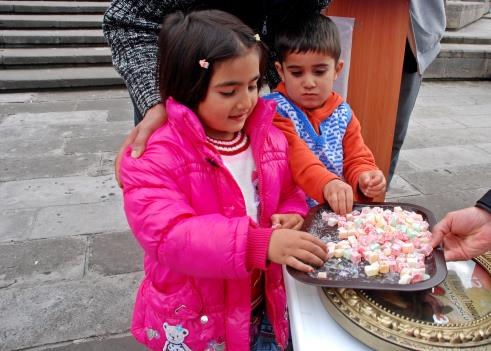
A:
[311,325]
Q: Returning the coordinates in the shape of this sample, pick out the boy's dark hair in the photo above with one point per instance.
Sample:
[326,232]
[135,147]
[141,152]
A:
[307,33]
[185,39]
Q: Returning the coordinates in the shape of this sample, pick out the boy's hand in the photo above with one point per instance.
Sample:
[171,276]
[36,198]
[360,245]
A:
[339,196]
[286,221]
[292,247]
[372,183]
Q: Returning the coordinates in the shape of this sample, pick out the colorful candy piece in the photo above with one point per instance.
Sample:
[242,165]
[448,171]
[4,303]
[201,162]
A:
[372,269]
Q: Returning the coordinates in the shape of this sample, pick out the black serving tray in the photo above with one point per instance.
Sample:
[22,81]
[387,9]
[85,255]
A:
[342,273]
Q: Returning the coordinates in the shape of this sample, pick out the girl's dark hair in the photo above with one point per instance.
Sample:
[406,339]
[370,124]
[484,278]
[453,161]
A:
[308,33]
[185,39]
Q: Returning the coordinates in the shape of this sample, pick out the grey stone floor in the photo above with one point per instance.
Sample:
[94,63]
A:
[69,267]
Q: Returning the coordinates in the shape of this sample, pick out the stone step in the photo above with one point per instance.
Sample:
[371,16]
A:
[461,13]
[17,21]
[476,33]
[54,56]
[53,7]
[18,79]
[23,38]
[461,61]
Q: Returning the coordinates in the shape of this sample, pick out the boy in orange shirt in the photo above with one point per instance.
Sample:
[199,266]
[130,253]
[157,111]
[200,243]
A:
[328,157]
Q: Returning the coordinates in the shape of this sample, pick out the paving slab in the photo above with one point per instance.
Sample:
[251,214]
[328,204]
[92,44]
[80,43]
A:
[34,262]
[23,37]
[426,138]
[44,78]
[94,130]
[113,103]
[452,88]
[467,102]
[446,156]
[478,32]
[441,204]
[51,145]
[444,112]
[461,13]
[486,147]
[13,108]
[103,143]
[55,118]
[47,166]
[44,56]
[53,6]
[56,312]
[478,121]
[69,95]
[399,187]
[15,225]
[60,191]
[440,180]
[429,123]
[114,253]
[122,342]
[76,21]
[460,68]
[62,221]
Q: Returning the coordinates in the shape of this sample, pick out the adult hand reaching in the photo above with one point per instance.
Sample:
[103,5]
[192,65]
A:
[154,118]
[465,233]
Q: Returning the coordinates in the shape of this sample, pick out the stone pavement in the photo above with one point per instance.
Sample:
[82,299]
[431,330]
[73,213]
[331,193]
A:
[69,267]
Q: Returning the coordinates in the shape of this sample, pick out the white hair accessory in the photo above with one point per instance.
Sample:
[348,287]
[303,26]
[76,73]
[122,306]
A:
[204,64]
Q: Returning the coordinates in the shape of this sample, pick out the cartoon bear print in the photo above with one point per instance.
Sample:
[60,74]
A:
[175,338]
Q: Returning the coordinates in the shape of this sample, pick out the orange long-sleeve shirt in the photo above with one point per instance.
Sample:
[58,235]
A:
[307,170]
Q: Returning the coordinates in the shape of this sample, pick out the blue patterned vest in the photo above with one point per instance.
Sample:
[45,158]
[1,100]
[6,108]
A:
[328,145]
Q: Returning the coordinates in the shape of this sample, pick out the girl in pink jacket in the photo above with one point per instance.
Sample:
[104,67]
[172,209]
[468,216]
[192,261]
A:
[212,201]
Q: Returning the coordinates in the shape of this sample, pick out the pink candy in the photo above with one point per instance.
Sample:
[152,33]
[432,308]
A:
[394,241]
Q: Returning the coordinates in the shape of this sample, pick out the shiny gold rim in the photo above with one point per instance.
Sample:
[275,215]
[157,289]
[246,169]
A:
[382,329]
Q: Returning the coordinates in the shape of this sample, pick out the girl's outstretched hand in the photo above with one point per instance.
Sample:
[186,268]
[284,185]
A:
[372,183]
[339,196]
[293,248]
[286,221]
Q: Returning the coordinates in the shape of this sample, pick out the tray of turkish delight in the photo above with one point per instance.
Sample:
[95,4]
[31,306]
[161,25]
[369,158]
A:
[383,246]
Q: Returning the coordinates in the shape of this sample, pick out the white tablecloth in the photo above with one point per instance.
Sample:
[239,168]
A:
[311,325]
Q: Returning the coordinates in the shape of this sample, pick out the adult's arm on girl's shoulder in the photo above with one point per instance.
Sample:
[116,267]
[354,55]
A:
[131,28]
[167,226]
[357,156]
[307,170]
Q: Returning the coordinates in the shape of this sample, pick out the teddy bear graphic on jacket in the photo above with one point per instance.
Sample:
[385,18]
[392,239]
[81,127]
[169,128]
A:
[175,338]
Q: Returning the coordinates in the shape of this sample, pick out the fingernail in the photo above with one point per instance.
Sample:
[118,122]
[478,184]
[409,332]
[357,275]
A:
[135,153]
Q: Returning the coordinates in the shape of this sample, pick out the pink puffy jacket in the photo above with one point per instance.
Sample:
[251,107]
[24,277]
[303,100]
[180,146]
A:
[188,214]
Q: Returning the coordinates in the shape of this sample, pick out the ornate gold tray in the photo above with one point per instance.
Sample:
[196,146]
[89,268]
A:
[454,315]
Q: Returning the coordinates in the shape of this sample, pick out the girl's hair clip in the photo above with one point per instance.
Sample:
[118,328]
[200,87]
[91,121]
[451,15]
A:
[257,37]
[204,64]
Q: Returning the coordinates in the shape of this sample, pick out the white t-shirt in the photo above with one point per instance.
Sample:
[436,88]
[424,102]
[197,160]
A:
[243,169]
